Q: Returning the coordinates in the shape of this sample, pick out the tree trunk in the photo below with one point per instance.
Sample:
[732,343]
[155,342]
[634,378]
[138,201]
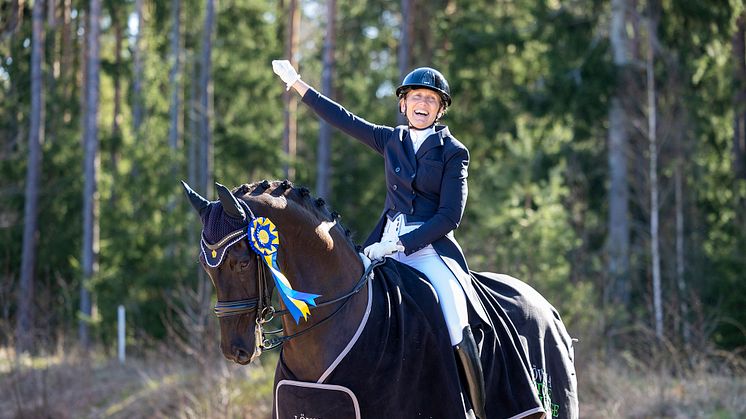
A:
[15,16]
[405,36]
[66,64]
[24,325]
[193,125]
[174,130]
[289,136]
[617,291]
[205,92]
[116,130]
[205,149]
[118,37]
[323,180]
[421,32]
[137,102]
[739,99]
[90,172]
[405,51]
[51,14]
[680,259]
[81,75]
[174,75]
[52,76]
[653,172]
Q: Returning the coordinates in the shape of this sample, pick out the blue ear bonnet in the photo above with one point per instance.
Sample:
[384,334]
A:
[221,231]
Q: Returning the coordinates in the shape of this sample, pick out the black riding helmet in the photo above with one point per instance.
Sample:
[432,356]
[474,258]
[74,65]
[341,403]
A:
[428,78]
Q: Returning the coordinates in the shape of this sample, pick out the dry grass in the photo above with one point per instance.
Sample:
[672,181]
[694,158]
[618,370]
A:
[628,388]
[158,385]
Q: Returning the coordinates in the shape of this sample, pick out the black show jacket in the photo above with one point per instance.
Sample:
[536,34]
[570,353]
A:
[428,187]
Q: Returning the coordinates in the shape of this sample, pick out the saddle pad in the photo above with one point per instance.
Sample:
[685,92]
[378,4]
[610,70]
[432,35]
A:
[298,399]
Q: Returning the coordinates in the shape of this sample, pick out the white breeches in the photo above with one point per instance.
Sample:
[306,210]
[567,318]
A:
[450,295]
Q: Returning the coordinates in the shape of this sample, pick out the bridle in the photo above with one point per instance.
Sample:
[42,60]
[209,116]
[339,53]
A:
[265,311]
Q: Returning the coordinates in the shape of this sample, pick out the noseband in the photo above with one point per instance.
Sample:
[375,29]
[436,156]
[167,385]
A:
[263,303]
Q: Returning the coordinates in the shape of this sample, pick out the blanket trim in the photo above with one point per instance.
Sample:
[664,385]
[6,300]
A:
[355,337]
[530,412]
[333,387]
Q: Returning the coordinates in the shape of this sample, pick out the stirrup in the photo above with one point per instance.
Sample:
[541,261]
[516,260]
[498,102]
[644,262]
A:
[467,353]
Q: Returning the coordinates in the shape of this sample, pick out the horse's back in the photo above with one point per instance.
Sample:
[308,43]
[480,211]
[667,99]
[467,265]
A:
[543,336]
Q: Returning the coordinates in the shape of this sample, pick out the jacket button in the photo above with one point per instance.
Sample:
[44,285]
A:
[394,187]
[397,170]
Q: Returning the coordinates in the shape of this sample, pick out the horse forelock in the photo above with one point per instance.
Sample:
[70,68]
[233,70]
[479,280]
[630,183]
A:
[276,193]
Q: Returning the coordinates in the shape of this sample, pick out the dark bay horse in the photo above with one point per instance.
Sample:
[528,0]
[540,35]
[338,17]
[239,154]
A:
[366,341]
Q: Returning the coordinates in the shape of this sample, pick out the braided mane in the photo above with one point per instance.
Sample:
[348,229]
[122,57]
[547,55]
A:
[300,196]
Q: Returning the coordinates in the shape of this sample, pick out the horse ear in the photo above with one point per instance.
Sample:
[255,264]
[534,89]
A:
[230,203]
[198,202]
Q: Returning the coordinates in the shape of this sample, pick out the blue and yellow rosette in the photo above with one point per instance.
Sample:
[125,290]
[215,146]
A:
[265,241]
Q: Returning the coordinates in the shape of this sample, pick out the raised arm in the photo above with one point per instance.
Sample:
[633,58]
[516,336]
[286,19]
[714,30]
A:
[372,135]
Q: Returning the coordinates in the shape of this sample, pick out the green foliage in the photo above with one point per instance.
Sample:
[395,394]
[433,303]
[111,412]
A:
[248,110]
[530,80]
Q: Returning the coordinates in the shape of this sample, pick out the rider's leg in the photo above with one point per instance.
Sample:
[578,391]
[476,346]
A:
[450,295]
[468,353]
[454,306]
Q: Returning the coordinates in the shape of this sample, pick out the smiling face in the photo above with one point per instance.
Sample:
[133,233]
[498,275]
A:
[422,107]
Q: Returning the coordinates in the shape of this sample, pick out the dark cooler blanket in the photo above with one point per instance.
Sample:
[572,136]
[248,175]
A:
[542,335]
[401,364]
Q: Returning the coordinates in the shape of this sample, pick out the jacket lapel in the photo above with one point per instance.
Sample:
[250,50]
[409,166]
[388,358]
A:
[432,141]
[408,147]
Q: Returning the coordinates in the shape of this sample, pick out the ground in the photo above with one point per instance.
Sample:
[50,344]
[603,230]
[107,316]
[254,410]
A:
[156,384]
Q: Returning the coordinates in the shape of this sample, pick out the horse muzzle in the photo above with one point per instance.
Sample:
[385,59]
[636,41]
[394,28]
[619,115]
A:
[238,351]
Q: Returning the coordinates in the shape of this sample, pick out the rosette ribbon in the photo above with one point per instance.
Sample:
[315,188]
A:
[265,241]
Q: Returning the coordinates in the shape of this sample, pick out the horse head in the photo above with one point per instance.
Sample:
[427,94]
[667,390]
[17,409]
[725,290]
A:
[231,265]
[243,252]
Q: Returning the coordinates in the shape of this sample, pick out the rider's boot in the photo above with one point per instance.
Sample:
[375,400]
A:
[467,353]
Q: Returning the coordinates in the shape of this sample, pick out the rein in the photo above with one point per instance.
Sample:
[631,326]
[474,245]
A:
[266,312]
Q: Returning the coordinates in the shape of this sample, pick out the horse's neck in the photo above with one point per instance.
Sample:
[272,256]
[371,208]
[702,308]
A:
[332,273]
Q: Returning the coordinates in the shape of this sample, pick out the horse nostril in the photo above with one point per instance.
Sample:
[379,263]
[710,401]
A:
[241,356]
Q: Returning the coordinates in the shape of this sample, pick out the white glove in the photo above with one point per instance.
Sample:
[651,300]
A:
[285,70]
[378,250]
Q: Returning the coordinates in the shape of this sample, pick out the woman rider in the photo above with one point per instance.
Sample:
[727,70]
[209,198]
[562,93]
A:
[426,190]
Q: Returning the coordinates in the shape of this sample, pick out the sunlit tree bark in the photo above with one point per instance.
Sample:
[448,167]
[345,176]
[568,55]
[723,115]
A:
[653,172]
[91,169]
[739,98]
[323,187]
[205,100]
[290,134]
[617,290]
[174,75]
[137,103]
[24,319]
[116,129]
[405,51]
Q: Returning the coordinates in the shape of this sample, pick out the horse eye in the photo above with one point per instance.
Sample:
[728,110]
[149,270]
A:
[243,265]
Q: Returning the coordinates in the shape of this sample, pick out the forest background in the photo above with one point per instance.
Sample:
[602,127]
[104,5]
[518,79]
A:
[608,170]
